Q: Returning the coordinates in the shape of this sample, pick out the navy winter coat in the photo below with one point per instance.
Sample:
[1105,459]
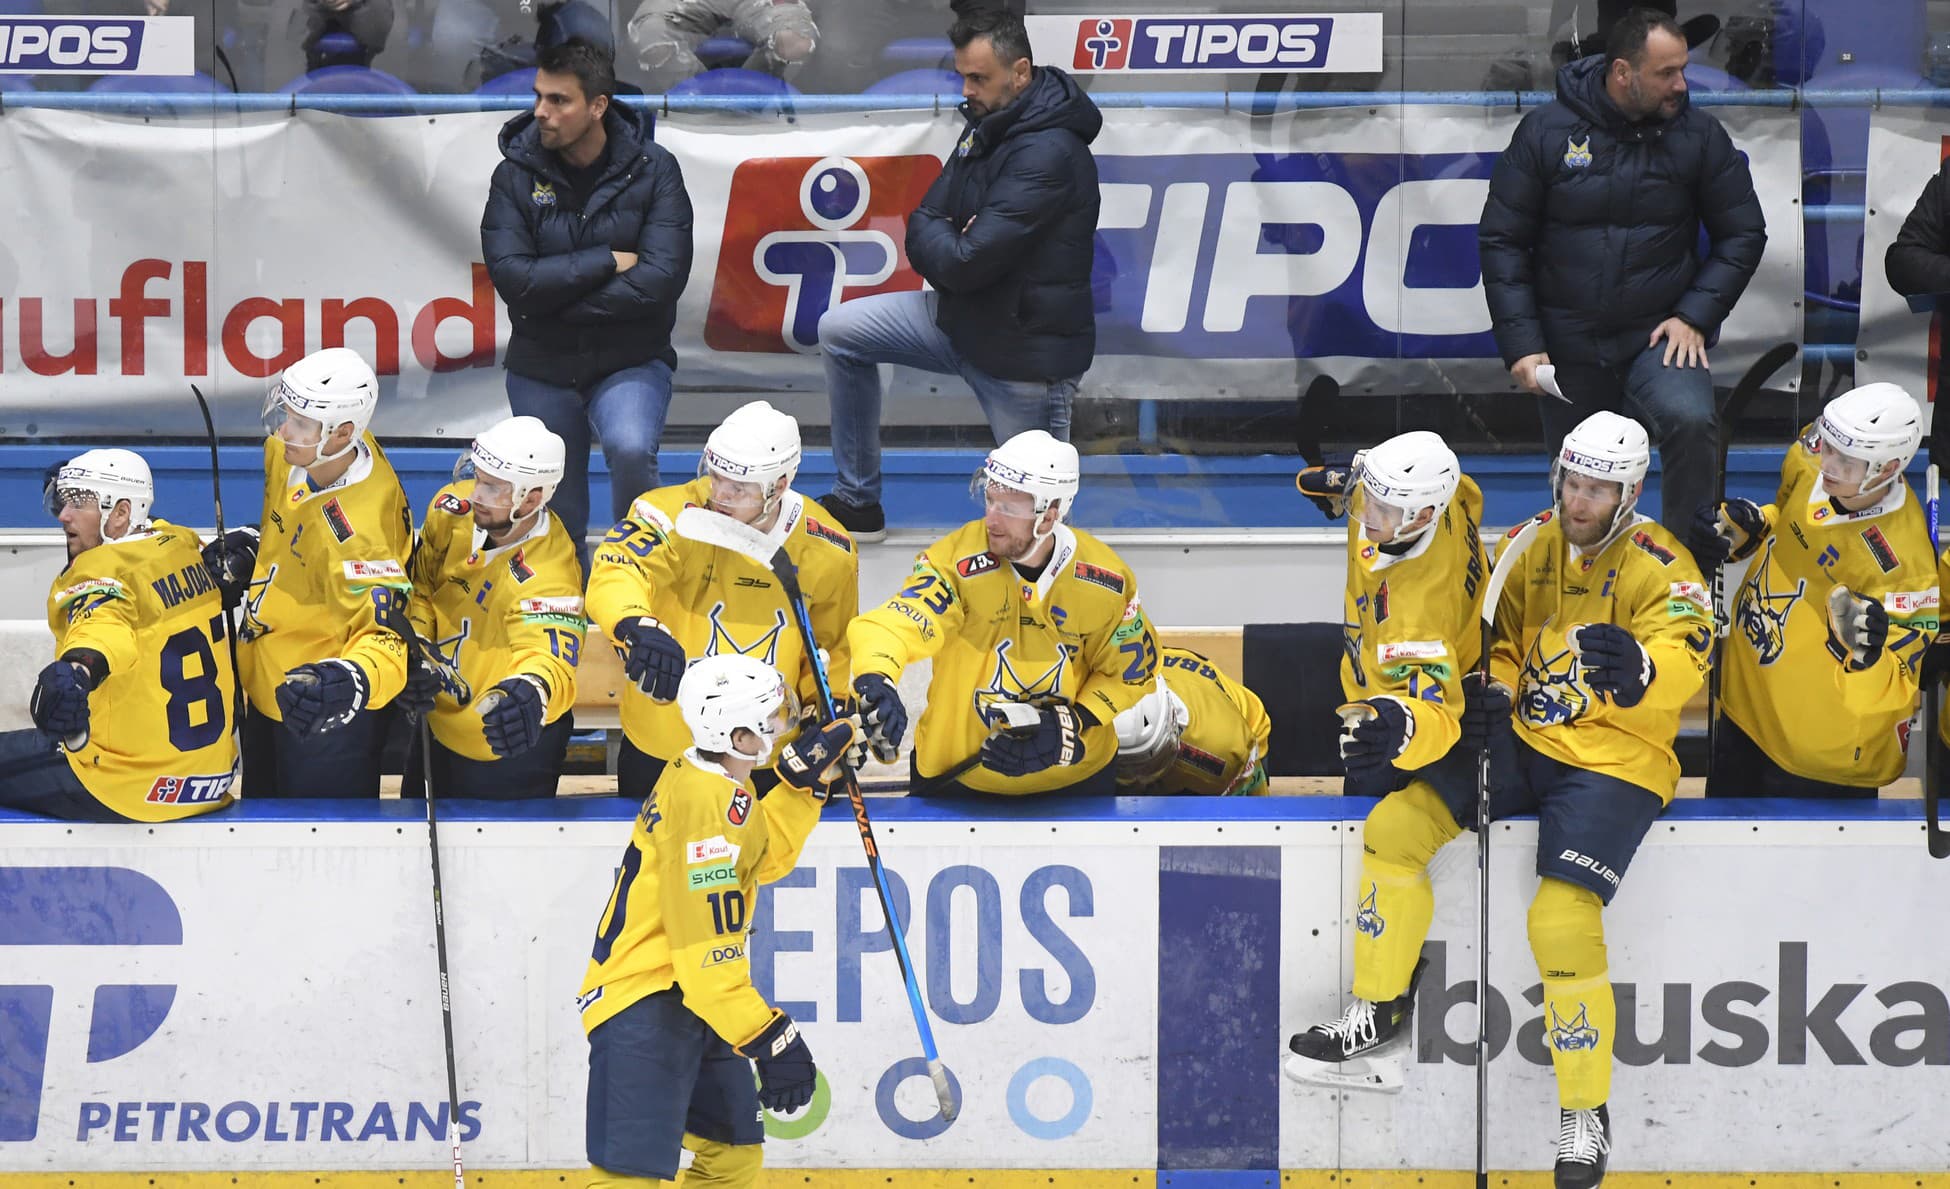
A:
[576,319]
[1015,289]
[1589,237]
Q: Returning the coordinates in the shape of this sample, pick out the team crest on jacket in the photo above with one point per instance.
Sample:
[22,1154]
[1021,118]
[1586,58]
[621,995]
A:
[1006,685]
[543,194]
[1764,613]
[765,646]
[1577,153]
[1551,692]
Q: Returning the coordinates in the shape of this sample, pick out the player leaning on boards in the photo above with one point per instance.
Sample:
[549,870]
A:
[132,720]
[497,606]
[1198,732]
[674,1021]
[1018,610]
[1841,558]
[323,585]
[1411,620]
[664,599]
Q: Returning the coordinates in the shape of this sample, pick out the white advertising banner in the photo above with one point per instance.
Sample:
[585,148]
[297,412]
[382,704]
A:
[1236,255]
[264,996]
[1897,344]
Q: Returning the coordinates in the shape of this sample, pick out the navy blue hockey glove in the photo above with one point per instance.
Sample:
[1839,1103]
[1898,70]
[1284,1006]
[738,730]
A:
[1328,484]
[814,761]
[317,698]
[652,657]
[422,686]
[1374,733]
[882,714]
[1858,627]
[59,703]
[1486,711]
[231,560]
[1613,663]
[1731,531]
[1056,741]
[513,721]
[786,1075]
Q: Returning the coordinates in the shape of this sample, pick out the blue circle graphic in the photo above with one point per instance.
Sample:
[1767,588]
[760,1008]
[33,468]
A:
[1080,1098]
[899,1124]
[835,194]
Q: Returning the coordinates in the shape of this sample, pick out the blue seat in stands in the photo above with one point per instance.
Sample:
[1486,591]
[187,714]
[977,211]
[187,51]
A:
[160,84]
[1701,77]
[715,52]
[919,52]
[353,80]
[515,82]
[20,8]
[735,80]
[918,82]
[17,82]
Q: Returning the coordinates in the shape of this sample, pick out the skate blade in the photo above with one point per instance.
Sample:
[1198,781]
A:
[1377,1073]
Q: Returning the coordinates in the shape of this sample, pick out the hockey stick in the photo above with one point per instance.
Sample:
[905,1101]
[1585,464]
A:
[1515,543]
[223,560]
[1323,389]
[712,528]
[440,950]
[1736,407]
[1934,836]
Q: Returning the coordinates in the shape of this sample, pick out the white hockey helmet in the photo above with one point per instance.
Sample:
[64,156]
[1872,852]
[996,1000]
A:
[1036,463]
[720,694]
[520,452]
[1876,424]
[1408,472]
[101,479]
[1147,735]
[330,387]
[758,445]
[1606,446]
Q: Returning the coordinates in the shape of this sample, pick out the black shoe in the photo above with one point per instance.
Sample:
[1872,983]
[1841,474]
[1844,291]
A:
[1583,1144]
[866,523]
[1363,1028]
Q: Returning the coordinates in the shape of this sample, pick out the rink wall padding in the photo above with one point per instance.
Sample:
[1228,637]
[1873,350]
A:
[251,998]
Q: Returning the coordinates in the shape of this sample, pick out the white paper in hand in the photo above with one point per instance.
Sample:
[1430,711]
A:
[1547,380]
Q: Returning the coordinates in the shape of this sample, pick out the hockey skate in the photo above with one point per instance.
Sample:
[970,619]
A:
[1363,1049]
[1583,1143]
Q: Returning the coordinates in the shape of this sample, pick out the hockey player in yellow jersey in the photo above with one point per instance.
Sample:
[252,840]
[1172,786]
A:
[325,630]
[132,720]
[1198,732]
[1840,601]
[1017,609]
[1411,624]
[497,607]
[664,600]
[674,1022]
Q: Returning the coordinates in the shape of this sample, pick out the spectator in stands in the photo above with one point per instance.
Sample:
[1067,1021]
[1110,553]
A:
[1588,249]
[368,22]
[665,34]
[556,22]
[1005,237]
[132,719]
[587,236]
[1918,267]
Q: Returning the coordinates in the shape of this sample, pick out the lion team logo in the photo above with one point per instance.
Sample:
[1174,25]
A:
[1575,1035]
[254,602]
[1351,642]
[543,194]
[446,662]
[1577,153]
[1005,685]
[765,647]
[1553,688]
[1368,921]
[1764,611]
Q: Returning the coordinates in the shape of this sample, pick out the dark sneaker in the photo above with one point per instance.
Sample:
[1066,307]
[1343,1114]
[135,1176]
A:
[867,523]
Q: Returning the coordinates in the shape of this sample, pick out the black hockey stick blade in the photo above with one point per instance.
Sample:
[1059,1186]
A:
[1935,837]
[1750,383]
[1321,391]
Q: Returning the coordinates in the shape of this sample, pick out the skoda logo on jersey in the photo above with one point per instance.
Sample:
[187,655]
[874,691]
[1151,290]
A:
[723,643]
[1552,694]
[1366,919]
[1764,613]
[1575,1035]
[74,906]
[1006,686]
[1577,153]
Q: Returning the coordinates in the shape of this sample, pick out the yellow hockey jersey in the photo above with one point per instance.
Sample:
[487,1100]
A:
[159,725]
[1411,624]
[330,579]
[491,614]
[716,601]
[684,894]
[1077,634]
[1781,685]
[1222,752]
[1646,583]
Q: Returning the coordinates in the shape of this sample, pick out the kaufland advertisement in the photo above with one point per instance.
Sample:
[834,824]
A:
[264,995]
[1236,255]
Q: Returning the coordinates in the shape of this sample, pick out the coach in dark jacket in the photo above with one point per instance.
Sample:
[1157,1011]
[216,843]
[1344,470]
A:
[587,236]
[1005,236]
[1589,249]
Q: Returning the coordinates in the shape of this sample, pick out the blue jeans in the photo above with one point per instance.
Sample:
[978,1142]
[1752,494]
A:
[1677,409]
[35,777]
[626,409]
[858,336]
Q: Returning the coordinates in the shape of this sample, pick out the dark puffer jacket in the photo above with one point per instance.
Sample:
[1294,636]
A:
[1589,237]
[1015,289]
[576,319]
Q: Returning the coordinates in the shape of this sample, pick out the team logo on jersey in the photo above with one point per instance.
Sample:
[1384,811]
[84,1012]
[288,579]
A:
[739,809]
[1553,692]
[1110,580]
[445,661]
[543,194]
[1366,919]
[1005,685]
[976,563]
[830,536]
[188,790]
[1575,1035]
[336,520]
[1577,153]
[765,647]
[1879,549]
[254,628]
[1764,612]
[1351,643]
[453,504]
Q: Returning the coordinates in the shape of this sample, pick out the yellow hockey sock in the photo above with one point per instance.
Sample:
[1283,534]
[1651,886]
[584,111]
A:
[1401,835]
[602,1178]
[722,1166]
[1567,936]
